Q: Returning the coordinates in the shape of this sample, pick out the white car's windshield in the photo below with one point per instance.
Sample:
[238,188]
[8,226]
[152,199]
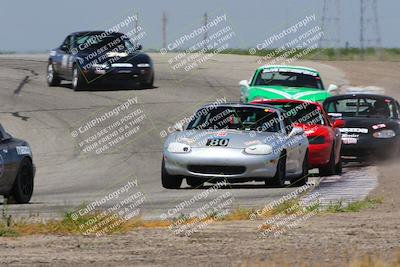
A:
[239,118]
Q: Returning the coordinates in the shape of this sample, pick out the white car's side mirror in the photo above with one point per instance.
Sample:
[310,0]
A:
[244,83]
[333,88]
[296,131]
[178,127]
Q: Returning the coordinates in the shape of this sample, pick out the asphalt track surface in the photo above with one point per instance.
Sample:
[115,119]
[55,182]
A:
[67,177]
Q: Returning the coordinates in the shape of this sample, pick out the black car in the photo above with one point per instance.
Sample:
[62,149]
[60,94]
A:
[17,170]
[93,56]
[372,125]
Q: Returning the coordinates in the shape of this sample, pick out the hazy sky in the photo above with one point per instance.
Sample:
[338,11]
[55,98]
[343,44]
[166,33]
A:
[42,24]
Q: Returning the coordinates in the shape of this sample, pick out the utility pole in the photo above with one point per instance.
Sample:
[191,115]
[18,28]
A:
[362,29]
[370,35]
[330,24]
[164,29]
[206,31]
[136,29]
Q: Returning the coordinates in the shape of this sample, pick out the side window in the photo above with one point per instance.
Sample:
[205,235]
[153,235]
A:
[330,107]
[288,125]
[1,132]
[67,44]
[397,110]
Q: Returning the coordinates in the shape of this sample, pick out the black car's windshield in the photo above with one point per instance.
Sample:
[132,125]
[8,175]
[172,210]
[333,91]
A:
[301,113]
[289,79]
[239,118]
[117,43]
[362,107]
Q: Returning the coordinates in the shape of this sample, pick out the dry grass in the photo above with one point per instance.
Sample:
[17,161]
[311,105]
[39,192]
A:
[69,226]
[88,224]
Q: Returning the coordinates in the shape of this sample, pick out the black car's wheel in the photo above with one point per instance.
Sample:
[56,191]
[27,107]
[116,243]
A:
[302,180]
[280,176]
[330,168]
[194,182]
[147,84]
[52,77]
[169,181]
[78,81]
[22,190]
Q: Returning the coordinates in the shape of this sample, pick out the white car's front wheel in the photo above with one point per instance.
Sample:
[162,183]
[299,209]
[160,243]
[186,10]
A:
[169,181]
[280,176]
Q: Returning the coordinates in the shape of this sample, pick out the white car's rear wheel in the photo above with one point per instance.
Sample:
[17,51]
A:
[302,180]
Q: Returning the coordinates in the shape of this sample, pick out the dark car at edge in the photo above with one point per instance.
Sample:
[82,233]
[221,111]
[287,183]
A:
[17,170]
[90,57]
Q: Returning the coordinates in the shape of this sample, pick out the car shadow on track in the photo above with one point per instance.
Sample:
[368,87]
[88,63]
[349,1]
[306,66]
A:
[108,87]
[236,186]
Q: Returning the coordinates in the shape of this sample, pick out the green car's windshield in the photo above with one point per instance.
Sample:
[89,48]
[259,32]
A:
[362,107]
[239,118]
[288,79]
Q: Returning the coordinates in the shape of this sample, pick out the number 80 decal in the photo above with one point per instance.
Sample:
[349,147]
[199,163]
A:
[217,142]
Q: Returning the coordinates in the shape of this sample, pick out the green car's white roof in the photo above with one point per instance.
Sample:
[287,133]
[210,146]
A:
[288,67]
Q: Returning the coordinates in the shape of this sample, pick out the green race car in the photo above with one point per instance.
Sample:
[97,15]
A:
[285,82]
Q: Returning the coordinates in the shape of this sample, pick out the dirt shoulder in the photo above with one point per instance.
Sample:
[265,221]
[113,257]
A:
[324,239]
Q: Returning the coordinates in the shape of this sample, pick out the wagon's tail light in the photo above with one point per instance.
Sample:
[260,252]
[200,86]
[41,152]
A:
[259,150]
[176,147]
[384,134]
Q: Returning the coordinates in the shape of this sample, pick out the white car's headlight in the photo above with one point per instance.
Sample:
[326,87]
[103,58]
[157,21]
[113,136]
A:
[384,134]
[178,148]
[259,150]
[143,65]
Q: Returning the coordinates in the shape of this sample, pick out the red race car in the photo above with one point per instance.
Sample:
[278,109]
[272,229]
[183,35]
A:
[323,135]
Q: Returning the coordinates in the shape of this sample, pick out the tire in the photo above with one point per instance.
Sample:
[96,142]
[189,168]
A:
[148,85]
[330,168]
[78,81]
[280,176]
[22,190]
[194,182]
[339,166]
[302,180]
[169,181]
[52,77]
